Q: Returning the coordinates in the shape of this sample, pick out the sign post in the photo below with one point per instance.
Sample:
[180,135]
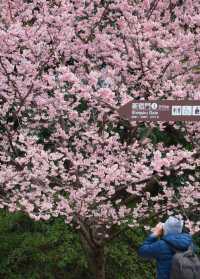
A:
[161,110]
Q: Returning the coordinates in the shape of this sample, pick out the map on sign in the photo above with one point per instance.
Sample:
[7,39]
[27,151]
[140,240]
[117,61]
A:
[161,110]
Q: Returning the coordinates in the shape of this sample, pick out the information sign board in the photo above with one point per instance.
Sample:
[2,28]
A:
[161,110]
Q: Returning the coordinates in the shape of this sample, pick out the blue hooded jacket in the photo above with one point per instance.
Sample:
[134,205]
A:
[162,252]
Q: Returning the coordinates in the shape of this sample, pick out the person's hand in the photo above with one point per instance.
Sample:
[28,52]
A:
[158,230]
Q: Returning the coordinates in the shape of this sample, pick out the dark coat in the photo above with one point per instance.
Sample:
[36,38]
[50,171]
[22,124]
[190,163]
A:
[162,252]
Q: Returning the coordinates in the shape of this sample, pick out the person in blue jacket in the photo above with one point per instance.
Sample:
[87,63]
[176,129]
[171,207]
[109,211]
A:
[155,246]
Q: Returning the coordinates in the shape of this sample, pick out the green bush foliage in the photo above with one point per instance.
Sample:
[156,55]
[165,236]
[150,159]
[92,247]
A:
[39,250]
[52,250]
[123,261]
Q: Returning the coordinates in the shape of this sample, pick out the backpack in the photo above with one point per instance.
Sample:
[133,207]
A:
[185,264]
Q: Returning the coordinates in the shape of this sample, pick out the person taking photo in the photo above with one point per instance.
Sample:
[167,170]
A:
[163,243]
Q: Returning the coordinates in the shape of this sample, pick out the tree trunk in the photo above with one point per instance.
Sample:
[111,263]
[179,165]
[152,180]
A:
[96,259]
[99,263]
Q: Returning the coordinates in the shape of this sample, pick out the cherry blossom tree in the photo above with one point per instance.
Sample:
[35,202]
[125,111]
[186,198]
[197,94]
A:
[66,67]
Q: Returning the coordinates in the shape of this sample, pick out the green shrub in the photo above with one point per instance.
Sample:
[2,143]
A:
[123,261]
[36,250]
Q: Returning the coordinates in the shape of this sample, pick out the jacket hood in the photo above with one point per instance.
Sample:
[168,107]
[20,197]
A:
[180,241]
